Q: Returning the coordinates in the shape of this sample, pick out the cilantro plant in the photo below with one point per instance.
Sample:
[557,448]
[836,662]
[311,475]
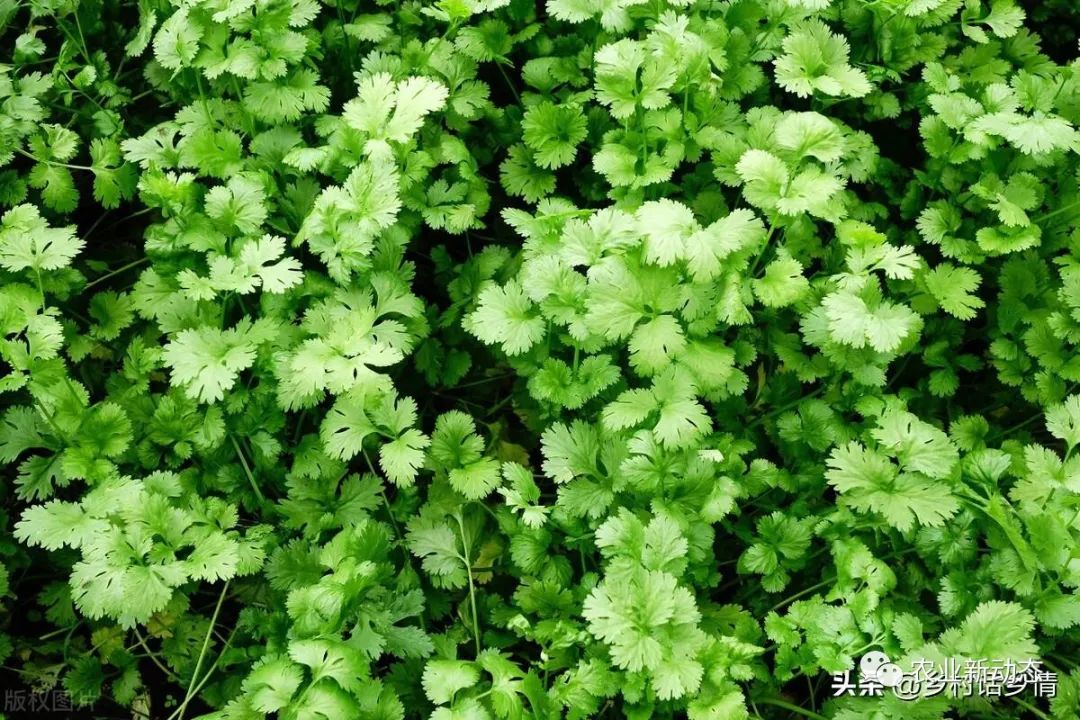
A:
[493,360]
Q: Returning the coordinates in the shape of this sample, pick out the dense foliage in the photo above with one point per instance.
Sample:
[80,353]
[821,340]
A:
[491,359]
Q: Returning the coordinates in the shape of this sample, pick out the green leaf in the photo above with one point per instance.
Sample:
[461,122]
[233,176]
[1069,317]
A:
[783,283]
[207,362]
[954,289]
[918,446]
[553,133]
[853,322]
[56,524]
[388,111]
[28,243]
[505,316]
[444,678]
[995,629]
[869,482]
[272,683]
[816,60]
[402,458]
[1063,421]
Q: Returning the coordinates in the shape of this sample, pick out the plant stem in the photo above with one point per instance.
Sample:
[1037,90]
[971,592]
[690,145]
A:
[783,408]
[52,423]
[247,470]
[1055,213]
[483,381]
[209,672]
[803,592]
[791,707]
[1030,708]
[509,83]
[153,657]
[117,271]
[472,588]
[59,631]
[179,712]
[35,158]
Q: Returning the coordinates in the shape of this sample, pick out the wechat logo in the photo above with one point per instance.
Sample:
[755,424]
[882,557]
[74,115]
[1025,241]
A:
[875,668]
[876,673]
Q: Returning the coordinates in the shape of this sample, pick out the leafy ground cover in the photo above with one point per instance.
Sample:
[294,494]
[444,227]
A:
[491,360]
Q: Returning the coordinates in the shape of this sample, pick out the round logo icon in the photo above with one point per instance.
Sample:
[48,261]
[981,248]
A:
[871,662]
[890,675]
[876,667]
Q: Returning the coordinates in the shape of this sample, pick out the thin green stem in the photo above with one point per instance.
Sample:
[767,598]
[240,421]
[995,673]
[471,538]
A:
[513,90]
[117,271]
[764,249]
[500,405]
[206,677]
[484,381]
[345,36]
[202,100]
[1030,708]
[153,657]
[40,289]
[390,514]
[783,408]
[59,631]
[35,158]
[140,96]
[247,469]
[48,418]
[179,712]
[472,587]
[382,492]
[82,38]
[831,579]
[1055,213]
[791,707]
[802,593]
